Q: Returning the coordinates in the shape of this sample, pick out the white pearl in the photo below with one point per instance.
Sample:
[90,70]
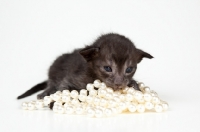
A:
[82,97]
[33,101]
[96,101]
[83,92]
[58,92]
[127,103]
[129,97]
[165,106]
[97,83]
[117,99]
[117,93]
[138,95]
[60,109]
[69,109]
[134,102]
[25,105]
[93,92]
[140,108]
[141,101]
[112,103]
[74,94]
[79,110]
[66,105]
[122,106]
[65,98]
[147,89]
[89,106]
[108,112]
[131,91]
[108,95]
[122,97]
[109,90]
[101,92]
[47,100]
[99,107]
[142,89]
[147,97]
[39,104]
[103,102]
[124,90]
[31,106]
[91,112]
[153,93]
[56,97]
[98,113]
[155,100]
[158,108]
[114,110]
[84,105]
[78,105]
[141,85]
[119,110]
[89,86]
[55,108]
[102,85]
[89,99]
[66,92]
[75,102]
[114,94]
[57,103]
[148,105]
[51,96]
[132,107]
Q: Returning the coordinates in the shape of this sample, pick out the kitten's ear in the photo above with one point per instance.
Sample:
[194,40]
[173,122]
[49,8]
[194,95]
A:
[89,53]
[141,54]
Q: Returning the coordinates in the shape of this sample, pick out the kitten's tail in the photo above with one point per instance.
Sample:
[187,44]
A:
[34,89]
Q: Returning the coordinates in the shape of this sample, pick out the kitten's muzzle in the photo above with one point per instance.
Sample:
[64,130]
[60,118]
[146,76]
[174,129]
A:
[118,81]
[117,87]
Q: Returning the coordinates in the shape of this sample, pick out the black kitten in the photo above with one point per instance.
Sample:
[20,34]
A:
[112,58]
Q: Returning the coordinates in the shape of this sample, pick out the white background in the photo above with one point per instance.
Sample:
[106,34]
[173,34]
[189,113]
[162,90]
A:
[34,32]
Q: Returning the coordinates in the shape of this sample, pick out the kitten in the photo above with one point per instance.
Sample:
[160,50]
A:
[112,58]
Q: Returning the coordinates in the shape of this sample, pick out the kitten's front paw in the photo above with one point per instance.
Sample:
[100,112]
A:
[134,84]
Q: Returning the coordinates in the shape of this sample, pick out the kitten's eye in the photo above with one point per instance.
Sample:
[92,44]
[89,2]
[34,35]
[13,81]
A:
[107,68]
[129,69]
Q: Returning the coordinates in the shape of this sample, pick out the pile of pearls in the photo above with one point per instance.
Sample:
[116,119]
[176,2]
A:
[101,102]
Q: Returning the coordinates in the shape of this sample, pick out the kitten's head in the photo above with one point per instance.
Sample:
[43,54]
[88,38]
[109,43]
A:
[114,59]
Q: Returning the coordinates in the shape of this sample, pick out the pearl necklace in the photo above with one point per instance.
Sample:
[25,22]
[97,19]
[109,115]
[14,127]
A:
[101,102]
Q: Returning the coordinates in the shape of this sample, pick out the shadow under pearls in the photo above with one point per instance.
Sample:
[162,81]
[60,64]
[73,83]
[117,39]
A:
[146,120]
[56,121]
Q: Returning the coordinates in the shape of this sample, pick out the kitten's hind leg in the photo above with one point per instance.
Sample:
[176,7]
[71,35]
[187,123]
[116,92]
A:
[47,92]
[52,88]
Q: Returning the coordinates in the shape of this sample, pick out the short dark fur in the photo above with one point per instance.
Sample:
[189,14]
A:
[75,70]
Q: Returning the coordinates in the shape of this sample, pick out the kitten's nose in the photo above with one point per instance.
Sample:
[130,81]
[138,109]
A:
[118,81]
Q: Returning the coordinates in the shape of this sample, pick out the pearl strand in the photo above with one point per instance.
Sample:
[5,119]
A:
[103,102]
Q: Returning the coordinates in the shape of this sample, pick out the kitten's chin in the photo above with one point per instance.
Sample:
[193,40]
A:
[116,88]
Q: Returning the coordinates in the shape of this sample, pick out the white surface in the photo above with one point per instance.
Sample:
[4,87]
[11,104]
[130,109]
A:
[34,33]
